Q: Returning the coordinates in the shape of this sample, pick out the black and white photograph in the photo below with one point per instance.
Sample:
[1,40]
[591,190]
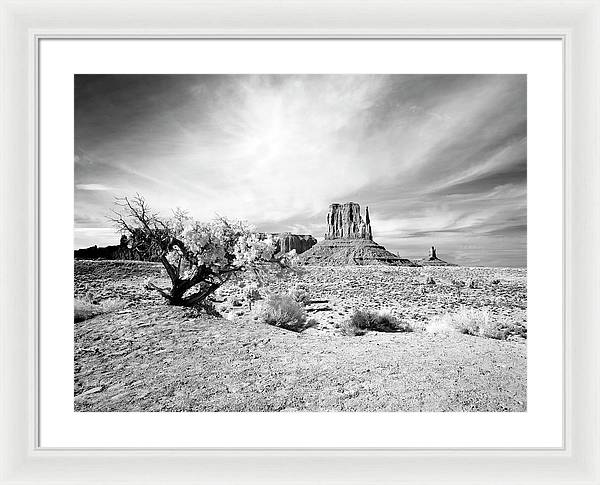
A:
[300,243]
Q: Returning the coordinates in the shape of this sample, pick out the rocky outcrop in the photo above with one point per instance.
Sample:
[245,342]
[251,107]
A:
[135,247]
[432,259]
[120,251]
[349,241]
[286,242]
[345,222]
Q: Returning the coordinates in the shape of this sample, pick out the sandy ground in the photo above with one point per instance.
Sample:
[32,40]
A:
[151,357]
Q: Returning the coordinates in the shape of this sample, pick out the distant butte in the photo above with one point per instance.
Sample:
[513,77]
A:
[349,241]
[286,242]
[433,260]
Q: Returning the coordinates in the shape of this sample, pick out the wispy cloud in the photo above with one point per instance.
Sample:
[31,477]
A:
[438,159]
[92,187]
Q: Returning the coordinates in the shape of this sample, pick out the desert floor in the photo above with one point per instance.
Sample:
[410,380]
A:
[147,356]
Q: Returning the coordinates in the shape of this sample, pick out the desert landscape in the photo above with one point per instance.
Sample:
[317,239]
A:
[139,354]
[300,242]
[147,356]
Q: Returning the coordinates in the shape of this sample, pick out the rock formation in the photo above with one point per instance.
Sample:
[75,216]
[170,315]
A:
[432,260]
[345,222]
[286,241]
[124,250]
[349,240]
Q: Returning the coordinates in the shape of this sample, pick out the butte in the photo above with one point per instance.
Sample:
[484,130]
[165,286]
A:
[349,241]
[433,260]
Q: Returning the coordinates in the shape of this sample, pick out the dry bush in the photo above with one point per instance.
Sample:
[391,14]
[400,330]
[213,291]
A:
[362,321]
[86,308]
[283,311]
[349,328]
[387,322]
[468,321]
[471,321]
[492,329]
[503,331]
[301,294]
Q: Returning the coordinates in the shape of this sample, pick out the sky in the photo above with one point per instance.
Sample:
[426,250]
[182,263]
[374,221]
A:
[439,159]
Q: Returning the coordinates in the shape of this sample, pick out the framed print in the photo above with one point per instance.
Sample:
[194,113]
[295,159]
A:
[284,297]
[289,245]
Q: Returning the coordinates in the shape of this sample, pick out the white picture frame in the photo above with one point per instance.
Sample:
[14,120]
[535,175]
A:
[24,23]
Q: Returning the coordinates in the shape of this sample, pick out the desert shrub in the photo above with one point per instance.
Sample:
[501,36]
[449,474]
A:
[471,321]
[473,284]
[492,329]
[430,280]
[349,328]
[363,319]
[382,321]
[503,331]
[284,312]
[387,320]
[301,294]
[467,321]
[87,307]
[247,289]
[517,330]
[84,310]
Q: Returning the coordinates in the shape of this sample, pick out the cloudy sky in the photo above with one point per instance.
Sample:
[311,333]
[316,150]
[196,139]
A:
[439,159]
